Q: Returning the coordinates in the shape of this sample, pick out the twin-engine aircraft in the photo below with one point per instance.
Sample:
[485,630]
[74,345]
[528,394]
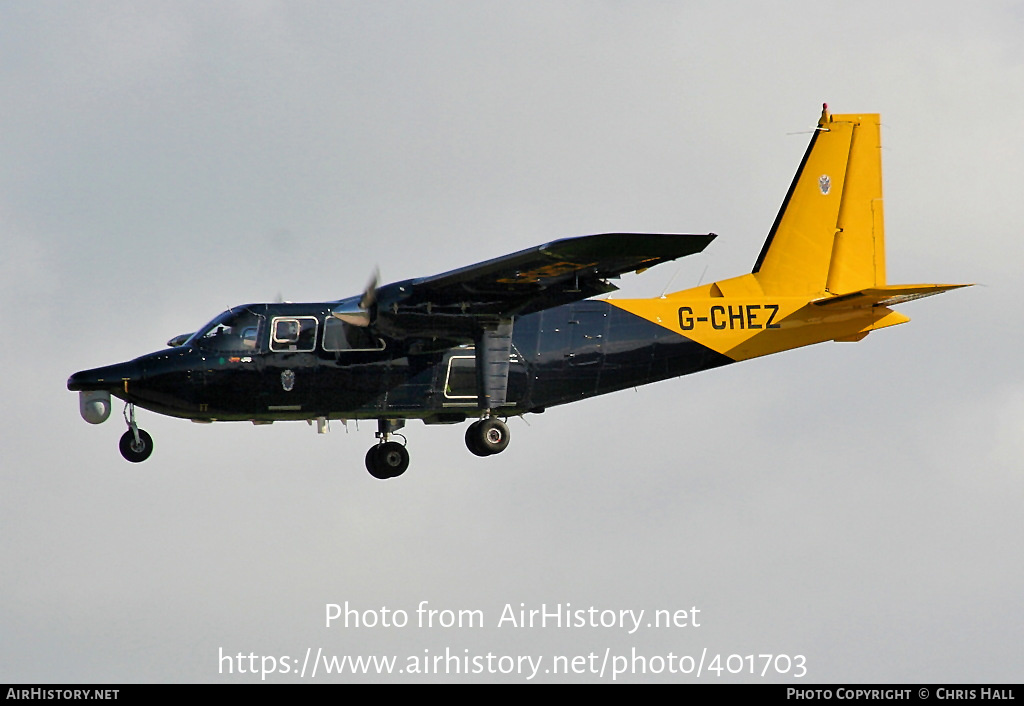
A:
[521,333]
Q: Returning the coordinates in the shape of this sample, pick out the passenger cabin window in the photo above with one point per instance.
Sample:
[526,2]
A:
[297,333]
[460,383]
[340,336]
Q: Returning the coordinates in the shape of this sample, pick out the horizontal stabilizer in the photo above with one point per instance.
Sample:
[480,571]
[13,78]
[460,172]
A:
[886,296]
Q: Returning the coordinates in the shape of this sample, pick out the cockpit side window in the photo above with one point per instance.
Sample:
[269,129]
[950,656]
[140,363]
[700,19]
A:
[250,337]
[231,331]
[293,333]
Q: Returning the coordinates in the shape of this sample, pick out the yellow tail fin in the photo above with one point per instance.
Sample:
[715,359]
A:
[821,273]
[829,235]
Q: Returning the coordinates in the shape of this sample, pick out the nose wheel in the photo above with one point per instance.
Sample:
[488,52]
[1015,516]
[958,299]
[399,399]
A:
[136,448]
[136,445]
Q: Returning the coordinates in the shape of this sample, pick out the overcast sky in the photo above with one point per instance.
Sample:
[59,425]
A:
[856,504]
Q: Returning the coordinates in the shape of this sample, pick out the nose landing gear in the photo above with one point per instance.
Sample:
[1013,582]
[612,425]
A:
[136,445]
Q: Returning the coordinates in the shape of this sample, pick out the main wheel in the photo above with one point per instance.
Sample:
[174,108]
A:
[487,437]
[387,460]
[472,440]
[136,451]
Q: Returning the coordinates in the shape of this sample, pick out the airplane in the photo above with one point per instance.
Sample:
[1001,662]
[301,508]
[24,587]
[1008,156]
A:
[523,332]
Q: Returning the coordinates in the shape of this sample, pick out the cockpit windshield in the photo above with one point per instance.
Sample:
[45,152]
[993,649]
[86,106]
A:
[234,330]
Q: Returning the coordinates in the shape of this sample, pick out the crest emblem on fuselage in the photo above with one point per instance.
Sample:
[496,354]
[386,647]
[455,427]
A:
[825,184]
[288,380]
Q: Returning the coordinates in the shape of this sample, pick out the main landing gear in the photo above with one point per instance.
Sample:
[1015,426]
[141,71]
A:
[388,459]
[487,436]
[135,445]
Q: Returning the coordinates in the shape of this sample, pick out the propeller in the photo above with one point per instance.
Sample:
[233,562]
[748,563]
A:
[369,297]
[358,312]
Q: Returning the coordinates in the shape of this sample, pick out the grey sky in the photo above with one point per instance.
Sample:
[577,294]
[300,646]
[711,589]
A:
[856,504]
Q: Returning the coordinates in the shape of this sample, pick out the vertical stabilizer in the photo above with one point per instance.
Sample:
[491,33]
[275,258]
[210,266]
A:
[829,235]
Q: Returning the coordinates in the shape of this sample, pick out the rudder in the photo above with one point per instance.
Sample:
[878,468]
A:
[829,235]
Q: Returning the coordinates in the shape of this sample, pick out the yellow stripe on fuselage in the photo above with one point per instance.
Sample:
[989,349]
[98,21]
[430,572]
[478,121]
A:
[743,328]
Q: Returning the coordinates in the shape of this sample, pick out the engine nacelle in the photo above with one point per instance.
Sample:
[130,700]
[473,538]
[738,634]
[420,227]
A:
[94,406]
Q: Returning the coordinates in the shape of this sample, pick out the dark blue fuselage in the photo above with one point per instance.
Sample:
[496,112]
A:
[289,364]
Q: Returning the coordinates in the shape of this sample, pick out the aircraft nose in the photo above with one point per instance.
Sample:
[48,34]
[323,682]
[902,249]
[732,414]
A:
[109,377]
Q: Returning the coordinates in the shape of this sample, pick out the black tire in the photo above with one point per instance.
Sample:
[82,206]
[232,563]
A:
[487,437]
[472,440]
[133,451]
[371,462]
[373,466]
[387,460]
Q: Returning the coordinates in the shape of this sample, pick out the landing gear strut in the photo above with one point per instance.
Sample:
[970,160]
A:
[135,445]
[388,459]
[487,437]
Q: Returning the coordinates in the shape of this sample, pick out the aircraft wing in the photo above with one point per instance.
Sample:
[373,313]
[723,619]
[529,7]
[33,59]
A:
[527,281]
[555,273]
